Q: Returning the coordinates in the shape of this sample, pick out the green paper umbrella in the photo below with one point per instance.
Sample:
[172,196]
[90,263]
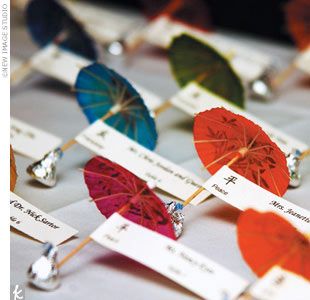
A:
[194,60]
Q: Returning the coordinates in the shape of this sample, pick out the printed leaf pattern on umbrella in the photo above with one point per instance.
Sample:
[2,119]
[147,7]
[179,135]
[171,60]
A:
[220,135]
[13,173]
[266,240]
[298,21]
[194,60]
[48,21]
[115,189]
[99,88]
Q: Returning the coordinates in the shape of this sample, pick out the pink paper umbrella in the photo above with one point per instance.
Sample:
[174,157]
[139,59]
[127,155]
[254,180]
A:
[115,189]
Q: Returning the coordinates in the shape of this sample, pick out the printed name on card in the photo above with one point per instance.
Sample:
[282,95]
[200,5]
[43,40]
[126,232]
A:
[188,268]
[31,141]
[243,194]
[58,63]
[149,166]
[248,63]
[279,284]
[193,99]
[39,225]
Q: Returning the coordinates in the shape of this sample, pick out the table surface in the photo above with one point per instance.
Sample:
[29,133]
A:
[97,273]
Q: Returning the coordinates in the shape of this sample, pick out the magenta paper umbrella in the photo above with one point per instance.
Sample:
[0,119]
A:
[115,189]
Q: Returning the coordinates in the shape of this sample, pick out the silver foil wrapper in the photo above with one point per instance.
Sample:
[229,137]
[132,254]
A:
[175,210]
[293,162]
[261,87]
[43,273]
[44,170]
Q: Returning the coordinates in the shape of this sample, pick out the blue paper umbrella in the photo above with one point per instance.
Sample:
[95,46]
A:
[48,21]
[101,91]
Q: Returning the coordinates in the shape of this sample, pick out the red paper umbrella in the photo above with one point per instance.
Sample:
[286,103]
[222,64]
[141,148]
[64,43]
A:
[266,240]
[190,12]
[224,138]
[114,189]
[298,21]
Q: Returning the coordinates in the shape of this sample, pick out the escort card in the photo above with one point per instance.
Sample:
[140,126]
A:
[37,224]
[193,99]
[58,63]
[249,63]
[65,65]
[149,166]
[31,141]
[279,284]
[179,263]
[302,61]
[241,193]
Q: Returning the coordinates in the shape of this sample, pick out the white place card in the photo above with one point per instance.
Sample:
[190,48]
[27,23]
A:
[181,264]
[64,66]
[193,99]
[302,61]
[279,284]
[37,224]
[248,63]
[31,141]
[149,166]
[58,63]
[243,194]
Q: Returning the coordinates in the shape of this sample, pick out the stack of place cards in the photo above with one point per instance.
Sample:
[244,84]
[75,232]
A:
[31,141]
[64,66]
[244,194]
[149,166]
[37,224]
[193,99]
[279,284]
[302,61]
[248,63]
[181,264]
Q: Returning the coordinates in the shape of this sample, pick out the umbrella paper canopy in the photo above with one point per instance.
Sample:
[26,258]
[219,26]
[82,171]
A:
[48,21]
[266,240]
[99,88]
[13,173]
[220,136]
[193,60]
[113,188]
[191,12]
[298,21]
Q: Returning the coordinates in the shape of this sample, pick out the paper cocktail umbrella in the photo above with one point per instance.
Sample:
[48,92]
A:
[191,12]
[113,188]
[224,138]
[103,94]
[193,60]
[266,240]
[13,173]
[298,21]
[48,21]
[98,89]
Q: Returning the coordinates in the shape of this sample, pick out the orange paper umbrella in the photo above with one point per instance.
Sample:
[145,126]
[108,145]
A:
[13,173]
[224,138]
[298,22]
[266,240]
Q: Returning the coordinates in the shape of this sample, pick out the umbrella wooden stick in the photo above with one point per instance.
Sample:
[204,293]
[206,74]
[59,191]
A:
[281,77]
[304,154]
[86,241]
[72,142]
[241,153]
